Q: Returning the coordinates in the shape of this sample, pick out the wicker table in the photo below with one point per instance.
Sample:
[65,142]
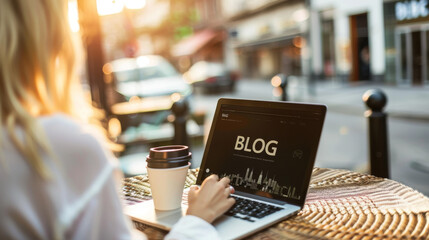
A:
[340,205]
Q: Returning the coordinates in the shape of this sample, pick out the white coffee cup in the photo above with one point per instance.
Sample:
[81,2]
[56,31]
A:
[167,185]
[167,168]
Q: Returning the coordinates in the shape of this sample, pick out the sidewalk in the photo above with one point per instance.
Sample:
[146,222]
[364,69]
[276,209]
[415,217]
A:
[404,102]
[407,102]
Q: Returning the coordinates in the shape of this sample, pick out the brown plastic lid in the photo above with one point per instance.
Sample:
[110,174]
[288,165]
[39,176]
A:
[168,156]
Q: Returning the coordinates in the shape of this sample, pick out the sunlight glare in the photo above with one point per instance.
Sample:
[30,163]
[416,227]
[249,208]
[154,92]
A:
[107,68]
[135,4]
[134,99]
[73,16]
[277,92]
[175,97]
[276,81]
[114,127]
[298,42]
[301,15]
[106,7]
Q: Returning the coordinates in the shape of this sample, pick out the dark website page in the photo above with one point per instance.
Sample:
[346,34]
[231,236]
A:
[267,155]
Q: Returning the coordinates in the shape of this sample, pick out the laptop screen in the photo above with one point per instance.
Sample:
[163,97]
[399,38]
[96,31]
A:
[265,148]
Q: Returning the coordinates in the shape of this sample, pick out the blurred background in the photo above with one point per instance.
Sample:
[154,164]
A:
[158,67]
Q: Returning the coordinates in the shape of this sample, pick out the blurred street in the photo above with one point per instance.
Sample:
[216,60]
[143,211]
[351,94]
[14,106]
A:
[348,47]
[344,141]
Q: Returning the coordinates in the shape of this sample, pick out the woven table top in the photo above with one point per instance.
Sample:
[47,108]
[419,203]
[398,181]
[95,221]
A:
[340,205]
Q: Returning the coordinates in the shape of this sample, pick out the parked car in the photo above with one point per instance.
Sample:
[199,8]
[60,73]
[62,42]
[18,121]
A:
[146,76]
[142,89]
[211,76]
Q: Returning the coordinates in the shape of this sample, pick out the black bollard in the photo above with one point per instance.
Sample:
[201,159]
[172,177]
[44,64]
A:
[279,81]
[378,143]
[283,85]
[180,110]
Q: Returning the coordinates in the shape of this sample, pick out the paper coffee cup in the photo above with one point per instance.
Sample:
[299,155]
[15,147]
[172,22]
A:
[167,185]
[167,167]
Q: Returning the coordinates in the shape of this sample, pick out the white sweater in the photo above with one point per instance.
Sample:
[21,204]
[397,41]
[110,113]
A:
[81,201]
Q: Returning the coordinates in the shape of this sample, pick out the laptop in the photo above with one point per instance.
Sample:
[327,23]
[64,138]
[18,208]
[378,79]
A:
[268,150]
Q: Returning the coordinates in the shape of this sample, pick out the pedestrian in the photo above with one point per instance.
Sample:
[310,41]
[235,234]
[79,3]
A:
[58,177]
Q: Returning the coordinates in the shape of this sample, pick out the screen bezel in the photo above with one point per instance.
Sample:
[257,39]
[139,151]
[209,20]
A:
[287,106]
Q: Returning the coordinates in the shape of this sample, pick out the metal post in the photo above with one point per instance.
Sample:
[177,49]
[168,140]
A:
[378,143]
[283,86]
[180,110]
[92,40]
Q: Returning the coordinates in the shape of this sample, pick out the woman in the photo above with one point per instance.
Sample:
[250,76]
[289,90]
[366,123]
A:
[57,174]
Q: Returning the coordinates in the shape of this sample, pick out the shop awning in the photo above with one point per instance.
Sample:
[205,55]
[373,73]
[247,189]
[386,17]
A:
[275,40]
[192,44]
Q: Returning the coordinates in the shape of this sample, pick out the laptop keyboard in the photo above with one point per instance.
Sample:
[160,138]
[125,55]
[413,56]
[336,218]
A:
[244,208]
[250,210]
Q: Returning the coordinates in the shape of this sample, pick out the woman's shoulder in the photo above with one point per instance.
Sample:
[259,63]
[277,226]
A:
[68,135]
[58,119]
[60,128]
[65,126]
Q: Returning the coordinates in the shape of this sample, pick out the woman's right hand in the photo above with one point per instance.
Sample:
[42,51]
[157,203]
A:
[211,199]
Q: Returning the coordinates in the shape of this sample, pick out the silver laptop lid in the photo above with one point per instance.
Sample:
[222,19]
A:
[266,148]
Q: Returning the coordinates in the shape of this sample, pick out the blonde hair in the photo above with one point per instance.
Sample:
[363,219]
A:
[37,73]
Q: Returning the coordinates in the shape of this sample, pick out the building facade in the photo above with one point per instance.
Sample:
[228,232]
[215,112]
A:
[266,37]
[347,39]
[407,36]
